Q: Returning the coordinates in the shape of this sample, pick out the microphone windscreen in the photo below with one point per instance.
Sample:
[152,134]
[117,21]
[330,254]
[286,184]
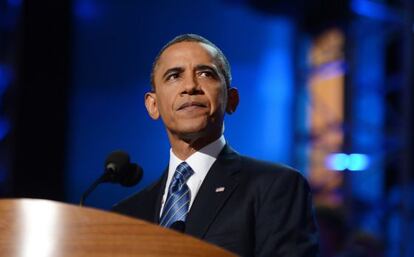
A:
[132,176]
[117,160]
[116,164]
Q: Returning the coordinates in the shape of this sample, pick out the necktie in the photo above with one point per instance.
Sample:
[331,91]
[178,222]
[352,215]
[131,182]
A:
[178,199]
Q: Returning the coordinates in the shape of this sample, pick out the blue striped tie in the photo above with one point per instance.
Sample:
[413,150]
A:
[178,200]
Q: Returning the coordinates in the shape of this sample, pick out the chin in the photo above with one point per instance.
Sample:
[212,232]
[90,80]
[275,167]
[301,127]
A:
[193,132]
[195,125]
[193,129]
[196,134]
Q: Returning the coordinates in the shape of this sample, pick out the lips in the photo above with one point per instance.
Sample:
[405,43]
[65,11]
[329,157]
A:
[191,104]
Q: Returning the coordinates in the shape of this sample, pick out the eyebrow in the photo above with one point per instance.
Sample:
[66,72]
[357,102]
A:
[197,67]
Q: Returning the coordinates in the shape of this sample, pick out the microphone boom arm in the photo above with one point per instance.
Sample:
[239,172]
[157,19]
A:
[90,190]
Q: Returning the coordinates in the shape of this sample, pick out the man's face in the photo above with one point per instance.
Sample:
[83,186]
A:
[190,92]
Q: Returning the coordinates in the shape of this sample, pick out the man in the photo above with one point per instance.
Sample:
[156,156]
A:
[249,207]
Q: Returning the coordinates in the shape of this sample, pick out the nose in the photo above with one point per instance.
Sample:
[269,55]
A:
[191,86]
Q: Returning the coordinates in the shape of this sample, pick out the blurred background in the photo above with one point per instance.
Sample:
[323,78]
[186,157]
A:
[326,87]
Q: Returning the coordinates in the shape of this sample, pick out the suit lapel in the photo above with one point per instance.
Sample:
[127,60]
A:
[217,187]
[160,191]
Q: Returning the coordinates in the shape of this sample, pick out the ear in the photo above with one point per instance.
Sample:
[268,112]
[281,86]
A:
[232,100]
[151,105]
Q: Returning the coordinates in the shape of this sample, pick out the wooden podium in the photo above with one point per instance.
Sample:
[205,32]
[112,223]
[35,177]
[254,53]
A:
[42,228]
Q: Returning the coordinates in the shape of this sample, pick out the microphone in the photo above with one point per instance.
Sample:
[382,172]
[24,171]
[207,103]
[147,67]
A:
[119,170]
[179,226]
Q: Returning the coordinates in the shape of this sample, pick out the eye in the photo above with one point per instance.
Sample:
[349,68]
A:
[172,76]
[206,74]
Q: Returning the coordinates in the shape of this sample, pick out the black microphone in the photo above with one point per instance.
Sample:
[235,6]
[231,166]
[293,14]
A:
[118,169]
[179,226]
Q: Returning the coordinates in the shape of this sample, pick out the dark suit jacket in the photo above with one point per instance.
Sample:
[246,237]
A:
[265,209]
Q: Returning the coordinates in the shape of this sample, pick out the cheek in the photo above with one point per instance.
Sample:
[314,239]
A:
[218,101]
[165,104]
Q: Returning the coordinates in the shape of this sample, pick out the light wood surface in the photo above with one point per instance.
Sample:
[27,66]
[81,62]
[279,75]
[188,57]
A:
[42,228]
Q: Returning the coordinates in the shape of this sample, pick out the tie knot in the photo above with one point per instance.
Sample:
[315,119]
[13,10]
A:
[183,172]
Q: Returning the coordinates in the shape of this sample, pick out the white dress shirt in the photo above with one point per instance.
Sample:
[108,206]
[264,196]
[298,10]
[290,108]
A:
[200,161]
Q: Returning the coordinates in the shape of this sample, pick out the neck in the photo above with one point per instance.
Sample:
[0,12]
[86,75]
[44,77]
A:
[184,148]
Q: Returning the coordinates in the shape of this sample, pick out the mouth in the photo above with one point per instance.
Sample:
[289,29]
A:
[191,105]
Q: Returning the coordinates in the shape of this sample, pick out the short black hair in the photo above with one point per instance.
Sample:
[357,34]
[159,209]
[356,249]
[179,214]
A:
[224,64]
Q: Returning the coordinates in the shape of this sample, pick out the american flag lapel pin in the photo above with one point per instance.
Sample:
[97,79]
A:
[220,189]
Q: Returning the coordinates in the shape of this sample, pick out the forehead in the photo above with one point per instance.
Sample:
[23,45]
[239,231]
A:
[183,53]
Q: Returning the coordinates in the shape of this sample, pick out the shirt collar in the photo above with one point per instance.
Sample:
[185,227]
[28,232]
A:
[201,160]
